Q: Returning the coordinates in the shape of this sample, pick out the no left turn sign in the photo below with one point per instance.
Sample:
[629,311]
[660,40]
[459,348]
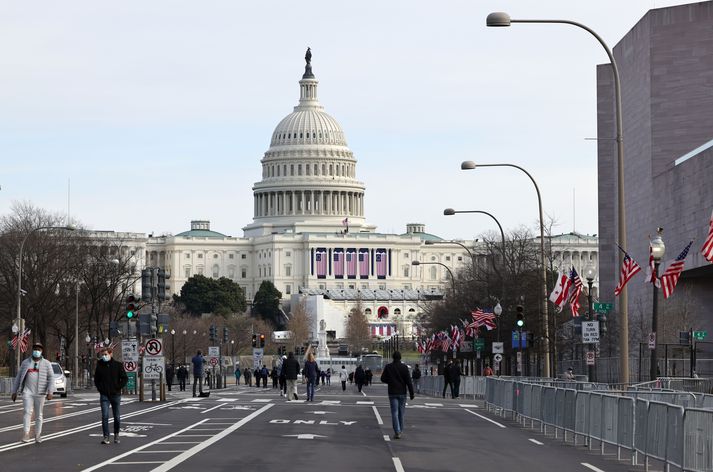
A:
[154,347]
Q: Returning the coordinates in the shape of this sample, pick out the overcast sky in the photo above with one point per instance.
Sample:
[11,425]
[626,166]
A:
[159,112]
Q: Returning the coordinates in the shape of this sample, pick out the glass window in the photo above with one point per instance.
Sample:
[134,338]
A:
[433,258]
[460,258]
[200,256]
[200,271]
[231,256]
[215,256]
[288,289]
[406,271]
[367,311]
[243,273]
[288,253]
[269,271]
[243,256]
[188,272]
[288,271]
[397,311]
[434,273]
[188,255]
[216,271]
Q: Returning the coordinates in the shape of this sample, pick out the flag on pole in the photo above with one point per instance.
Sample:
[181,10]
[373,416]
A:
[560,292]
[707,249]
[651,270]
[574,292]
[481,318]
[673,272]
[24,340]
[629,268]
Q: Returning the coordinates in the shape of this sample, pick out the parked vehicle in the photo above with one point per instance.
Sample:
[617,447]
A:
[61,386]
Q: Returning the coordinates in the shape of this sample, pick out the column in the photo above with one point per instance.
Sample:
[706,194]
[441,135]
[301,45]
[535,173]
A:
[293,200]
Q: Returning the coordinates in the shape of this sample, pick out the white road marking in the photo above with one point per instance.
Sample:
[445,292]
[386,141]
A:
[262,400]
[364,403]
[227,399]
[397,464]
[386,437]
[320,412]
[468,406]
[590,466]
[213,408]
[486,419]
[363,393]
[147,424]
[199,447]
[378,416]
[137,463]
[433,404]
[303,436]
[155,452]
[179,442]
[535,441]
[331,402]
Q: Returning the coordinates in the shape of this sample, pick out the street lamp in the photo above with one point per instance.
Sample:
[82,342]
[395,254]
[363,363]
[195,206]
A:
[184,347]
[501,19]
[589,273]
[173,348]
[470,165]
[453,279]
[658,249]
[19,283]
[497,311]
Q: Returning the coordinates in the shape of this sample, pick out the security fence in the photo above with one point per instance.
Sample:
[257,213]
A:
[470,387]
[675,428]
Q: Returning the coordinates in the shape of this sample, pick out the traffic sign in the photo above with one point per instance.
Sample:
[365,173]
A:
[479,344]
[154,347]
[590,332]
[214,361]
[154,366]
[700,335]
[498,348]
[129,351]
[257,357]
[131,383]
[591,356]
[652,340]
[498,357]
[130,366]
[214,351]
[603,307]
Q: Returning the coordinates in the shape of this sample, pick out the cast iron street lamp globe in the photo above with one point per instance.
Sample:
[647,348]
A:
[498,19]
[498,310]
[590,272]
[658,248]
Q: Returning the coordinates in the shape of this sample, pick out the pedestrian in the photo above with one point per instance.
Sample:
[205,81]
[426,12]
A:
[351,377]
[169,376]
[282,379]
[292,368]
[264,373]
[397,377]
[369,375]
[181,375]
[237,376]
[359,377]
[487,372]
[35,383]
[329,376]
[110,378]
[416,377]
[343,376]
[447,377]
[198,362]
[454,376]
[323,376]
[258,376]
[207,379]
[569,375]
[273,376]
[312,374]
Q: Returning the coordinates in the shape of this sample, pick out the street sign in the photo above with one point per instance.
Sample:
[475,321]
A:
[591,356]
[129,351]
[213,361]
[257,357]
[214,351]
[652,340]
[498,357]
[590,332]
[154,347]
[516,342]
[603,307]
[479,344]
[153,367]
[131,366]
[498,348]
[700,335]
[131,383]
[519,362]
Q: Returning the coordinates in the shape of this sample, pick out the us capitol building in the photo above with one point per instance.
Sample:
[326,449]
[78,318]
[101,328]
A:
[309,236]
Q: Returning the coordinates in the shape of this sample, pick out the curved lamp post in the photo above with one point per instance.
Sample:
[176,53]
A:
[502,19]
[470,165]
[453,279]
[19,284]
[658,249]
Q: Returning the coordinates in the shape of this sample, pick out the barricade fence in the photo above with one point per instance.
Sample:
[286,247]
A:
[675,428]
[470,387]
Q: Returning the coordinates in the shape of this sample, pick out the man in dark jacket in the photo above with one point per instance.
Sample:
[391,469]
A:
[454,376]
[182,373]
[169,376]
[359,377]
[447,381]
[396,375]
[109,378]
[292,368]
[198,362]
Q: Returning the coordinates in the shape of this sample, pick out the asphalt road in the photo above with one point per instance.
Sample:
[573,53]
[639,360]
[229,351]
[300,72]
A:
[256,429]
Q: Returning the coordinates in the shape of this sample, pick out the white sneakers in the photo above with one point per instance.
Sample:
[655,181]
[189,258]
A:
[26,438]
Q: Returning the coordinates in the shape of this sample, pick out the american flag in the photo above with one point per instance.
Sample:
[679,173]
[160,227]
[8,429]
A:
[673,272]
[481,318]
[351,259]
[363,263]
[574,292]
[338,263]
[707,249]
[651,269]
[629,268]
[320,259]
[559,294]
[24,341]
[455,337]
[381,263]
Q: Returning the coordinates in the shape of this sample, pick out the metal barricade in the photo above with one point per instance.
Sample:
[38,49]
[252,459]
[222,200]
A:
[627,425]
[610,420]
[595,417]
[569,405]
[698,440]
[674,435]
[581,422]
[549,407]
[641,426]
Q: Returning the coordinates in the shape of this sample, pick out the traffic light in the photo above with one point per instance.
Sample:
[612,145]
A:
[213,333]
[262,340]
[162,284]
[520,316]
[147,284]
[132,303]
[225,334]
[254,340]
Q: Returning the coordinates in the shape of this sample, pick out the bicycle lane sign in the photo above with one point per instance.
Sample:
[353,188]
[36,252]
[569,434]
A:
[153,367]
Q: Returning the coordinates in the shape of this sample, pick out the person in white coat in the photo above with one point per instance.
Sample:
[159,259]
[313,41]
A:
[35,382]
[343,376]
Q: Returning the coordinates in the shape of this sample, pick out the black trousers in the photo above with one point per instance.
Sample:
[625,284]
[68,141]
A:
[197,381]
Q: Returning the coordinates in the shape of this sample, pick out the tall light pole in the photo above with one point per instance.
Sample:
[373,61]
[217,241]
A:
[470,165]
[453,279]
[500,19]
[589,274]
[658,249]
[183,361]
[173,348]
[19,286]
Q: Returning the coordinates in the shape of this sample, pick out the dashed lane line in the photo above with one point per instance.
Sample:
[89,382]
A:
[213,408]
[378,416]
[535,441]
[387,438]
[591,467]
[486,419]
[397,464]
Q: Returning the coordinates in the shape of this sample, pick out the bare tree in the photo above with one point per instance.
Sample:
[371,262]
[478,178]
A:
[301,325]
[357,332]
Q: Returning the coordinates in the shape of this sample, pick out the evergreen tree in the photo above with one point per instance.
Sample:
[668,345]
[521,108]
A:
[267,304]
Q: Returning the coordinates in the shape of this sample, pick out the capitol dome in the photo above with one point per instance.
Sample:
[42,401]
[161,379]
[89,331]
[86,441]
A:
[308,173]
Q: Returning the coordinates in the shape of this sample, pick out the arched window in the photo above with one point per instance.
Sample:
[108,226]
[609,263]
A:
[216,271]
[367,312]
[397,311]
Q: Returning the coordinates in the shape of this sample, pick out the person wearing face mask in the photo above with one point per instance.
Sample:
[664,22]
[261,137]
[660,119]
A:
[109,378]
[35,382]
